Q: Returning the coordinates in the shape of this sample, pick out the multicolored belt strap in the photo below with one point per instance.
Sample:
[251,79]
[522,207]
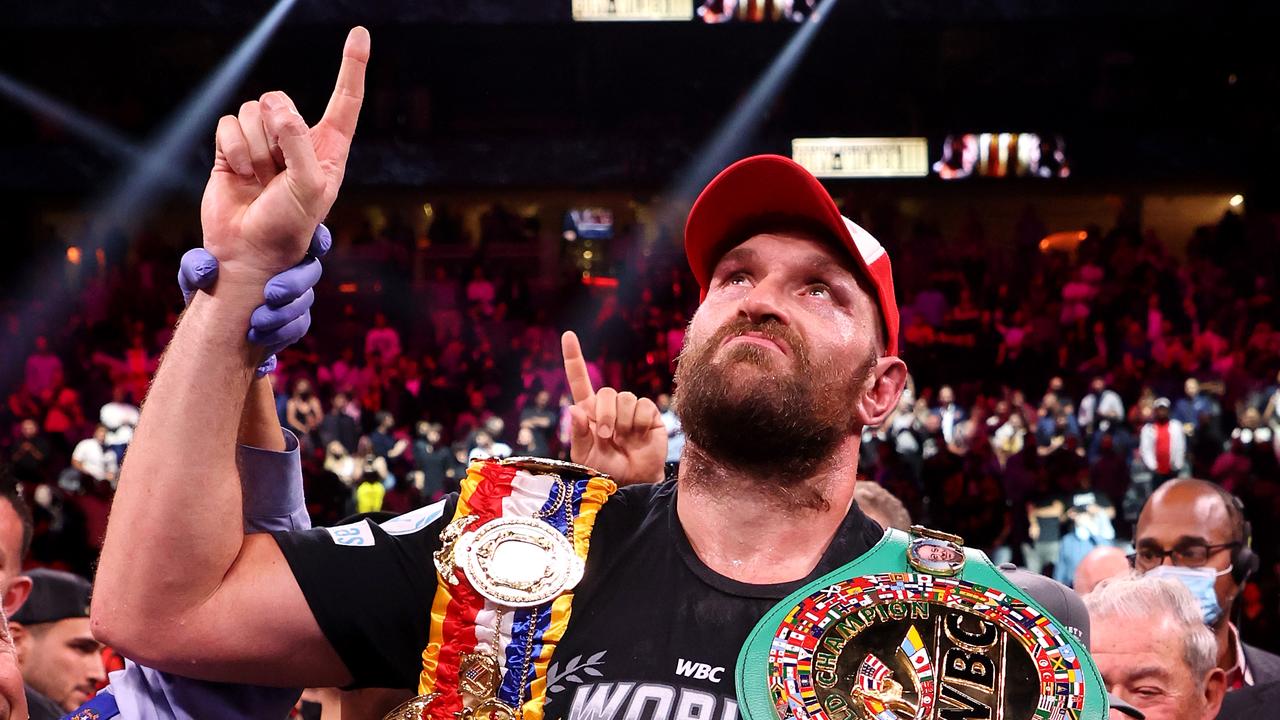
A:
[507,565]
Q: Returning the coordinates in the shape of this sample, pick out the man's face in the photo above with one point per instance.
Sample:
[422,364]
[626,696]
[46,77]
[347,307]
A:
[1148,670]
[946,396]
[29,429]
[62,661]
[664,402]
[1191,387]
[777,355]
[1184,515]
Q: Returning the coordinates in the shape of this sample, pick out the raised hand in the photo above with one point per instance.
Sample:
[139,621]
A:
[274,178]
[285,316]
[613,432]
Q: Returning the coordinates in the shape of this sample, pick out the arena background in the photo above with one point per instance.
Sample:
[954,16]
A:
[510,156]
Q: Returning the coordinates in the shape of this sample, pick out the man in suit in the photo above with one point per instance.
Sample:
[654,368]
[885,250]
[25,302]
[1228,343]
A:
[1248,703]
[1196,532]
[949,414]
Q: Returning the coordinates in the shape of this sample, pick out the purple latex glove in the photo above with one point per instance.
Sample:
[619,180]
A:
[286,316]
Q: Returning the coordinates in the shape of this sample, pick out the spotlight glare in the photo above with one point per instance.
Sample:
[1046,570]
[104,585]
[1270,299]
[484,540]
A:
[1236,200]
[743,122]
[136,193]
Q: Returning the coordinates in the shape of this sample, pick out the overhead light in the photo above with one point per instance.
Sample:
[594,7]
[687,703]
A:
[1236,200]
[1066,241]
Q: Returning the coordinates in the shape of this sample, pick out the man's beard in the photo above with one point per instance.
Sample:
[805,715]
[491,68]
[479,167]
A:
[777,423]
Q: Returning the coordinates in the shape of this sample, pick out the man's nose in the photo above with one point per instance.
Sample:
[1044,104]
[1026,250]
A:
[96,671]
[766,302]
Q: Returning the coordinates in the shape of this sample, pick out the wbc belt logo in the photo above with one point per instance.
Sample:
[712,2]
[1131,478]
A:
[906,646]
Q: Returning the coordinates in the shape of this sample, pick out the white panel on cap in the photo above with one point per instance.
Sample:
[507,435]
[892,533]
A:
[868,246]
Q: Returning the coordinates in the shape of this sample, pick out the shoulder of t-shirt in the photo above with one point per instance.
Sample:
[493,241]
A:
[426,520]
[638,497]
[420,526]
[859,531]
[628,507]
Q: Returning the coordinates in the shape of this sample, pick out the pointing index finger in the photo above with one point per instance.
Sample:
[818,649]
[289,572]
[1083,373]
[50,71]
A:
[575,368]
[348,93]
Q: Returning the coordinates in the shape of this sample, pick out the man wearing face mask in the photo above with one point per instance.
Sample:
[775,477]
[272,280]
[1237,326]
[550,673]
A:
[1196,532]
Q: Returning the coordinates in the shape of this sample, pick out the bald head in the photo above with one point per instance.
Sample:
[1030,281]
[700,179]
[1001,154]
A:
[1202,508]
[1183,513]
[1101,563]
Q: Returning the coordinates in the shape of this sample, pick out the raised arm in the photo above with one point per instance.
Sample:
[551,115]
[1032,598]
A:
[180,587]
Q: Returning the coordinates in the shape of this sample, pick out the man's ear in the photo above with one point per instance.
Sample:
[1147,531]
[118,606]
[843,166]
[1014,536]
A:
[1215,688]
[16,594]
[880,396]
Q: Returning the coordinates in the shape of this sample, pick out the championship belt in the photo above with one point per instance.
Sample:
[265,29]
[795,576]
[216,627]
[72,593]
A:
[918,628]
[507,566]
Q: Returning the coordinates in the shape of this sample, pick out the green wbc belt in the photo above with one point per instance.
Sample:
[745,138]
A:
[918,628]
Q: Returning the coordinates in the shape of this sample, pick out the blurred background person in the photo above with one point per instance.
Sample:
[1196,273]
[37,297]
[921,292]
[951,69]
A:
[60,659]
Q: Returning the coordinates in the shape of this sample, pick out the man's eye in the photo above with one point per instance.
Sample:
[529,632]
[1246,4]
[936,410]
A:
[818,290]
[738,278]
[1148,692]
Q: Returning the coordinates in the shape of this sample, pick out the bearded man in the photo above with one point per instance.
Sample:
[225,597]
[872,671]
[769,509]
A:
[790,354]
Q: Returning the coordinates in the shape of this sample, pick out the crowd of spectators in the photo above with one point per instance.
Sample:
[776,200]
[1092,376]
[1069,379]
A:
[1045,405]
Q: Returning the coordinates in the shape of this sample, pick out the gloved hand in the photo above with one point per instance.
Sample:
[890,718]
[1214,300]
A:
[285,317]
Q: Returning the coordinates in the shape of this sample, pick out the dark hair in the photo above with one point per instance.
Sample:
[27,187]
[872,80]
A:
[9,492]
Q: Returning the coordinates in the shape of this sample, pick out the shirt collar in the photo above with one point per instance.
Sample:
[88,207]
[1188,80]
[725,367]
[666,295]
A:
[1239,675]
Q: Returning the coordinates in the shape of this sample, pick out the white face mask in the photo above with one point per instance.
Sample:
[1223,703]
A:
[1200,581]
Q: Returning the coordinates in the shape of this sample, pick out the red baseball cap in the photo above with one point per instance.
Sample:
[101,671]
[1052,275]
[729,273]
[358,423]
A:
[772,185]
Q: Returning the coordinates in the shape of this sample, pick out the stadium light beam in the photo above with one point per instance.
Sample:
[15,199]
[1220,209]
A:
[100,136]
[77,123]
[734,133]
[745,119]
[189,122]
[151,170]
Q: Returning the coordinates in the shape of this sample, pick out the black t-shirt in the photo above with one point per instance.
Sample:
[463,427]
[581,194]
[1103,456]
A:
[654,632]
